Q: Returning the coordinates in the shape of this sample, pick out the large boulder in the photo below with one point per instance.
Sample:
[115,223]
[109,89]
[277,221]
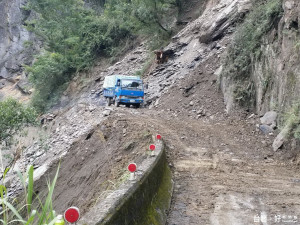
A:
[269,118]
[221,18]
[279,140]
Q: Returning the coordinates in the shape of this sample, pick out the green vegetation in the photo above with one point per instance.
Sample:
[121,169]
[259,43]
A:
[246,46]
[74,36]
[149,18]
[27,214]
[292,121]
[13,116]
[146,66]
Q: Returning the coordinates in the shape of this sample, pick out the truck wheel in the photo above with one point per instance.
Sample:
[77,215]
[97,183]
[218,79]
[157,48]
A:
[128,105]
[137,105]
[117,104]
[108,101]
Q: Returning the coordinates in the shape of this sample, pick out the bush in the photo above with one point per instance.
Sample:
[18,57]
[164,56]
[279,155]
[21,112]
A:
[147,18]
[246,45]
[50,71]
[73,37]
[13,115]
[292,121]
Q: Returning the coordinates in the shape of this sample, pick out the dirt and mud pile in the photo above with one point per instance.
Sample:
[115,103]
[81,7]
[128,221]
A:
[96,164]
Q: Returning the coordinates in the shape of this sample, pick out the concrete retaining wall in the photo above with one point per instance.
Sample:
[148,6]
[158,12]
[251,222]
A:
[144,201]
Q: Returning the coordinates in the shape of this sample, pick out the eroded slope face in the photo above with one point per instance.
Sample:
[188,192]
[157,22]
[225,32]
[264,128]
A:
[197,61]
[225,170]
[96,163]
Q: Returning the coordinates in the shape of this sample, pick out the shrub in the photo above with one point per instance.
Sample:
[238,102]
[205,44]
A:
[73,37]
[50,71]
[292,121]
[146,17]
[13,115]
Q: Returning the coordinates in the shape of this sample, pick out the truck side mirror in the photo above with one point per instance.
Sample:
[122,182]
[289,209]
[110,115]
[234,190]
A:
[118,83]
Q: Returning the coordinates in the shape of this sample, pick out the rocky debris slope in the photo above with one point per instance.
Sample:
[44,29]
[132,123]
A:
[96,163]
[56,137]
[199,49]
[90,92]
[79,112]
[194,56]
[217,20]
[225,169]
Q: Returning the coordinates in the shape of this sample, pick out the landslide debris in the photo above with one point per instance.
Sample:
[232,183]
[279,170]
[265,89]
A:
[225,170]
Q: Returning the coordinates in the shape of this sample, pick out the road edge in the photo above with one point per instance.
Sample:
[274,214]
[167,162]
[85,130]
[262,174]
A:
[143,201]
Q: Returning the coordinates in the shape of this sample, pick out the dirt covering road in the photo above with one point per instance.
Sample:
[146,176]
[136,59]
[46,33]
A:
[225,174]
[225,171]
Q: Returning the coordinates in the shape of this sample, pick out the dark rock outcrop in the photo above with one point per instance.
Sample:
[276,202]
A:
[17,45]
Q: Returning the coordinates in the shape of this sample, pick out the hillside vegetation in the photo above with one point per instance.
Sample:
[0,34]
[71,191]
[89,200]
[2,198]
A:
[74,36]
[13,116]
[245,48]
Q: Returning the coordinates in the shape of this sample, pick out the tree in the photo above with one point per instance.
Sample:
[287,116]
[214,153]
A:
[145,15]
[74,36]
[13,115]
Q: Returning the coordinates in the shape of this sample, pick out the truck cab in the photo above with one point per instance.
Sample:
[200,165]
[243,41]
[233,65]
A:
[123,90]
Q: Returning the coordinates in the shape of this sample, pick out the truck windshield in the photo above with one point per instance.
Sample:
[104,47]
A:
[132,84]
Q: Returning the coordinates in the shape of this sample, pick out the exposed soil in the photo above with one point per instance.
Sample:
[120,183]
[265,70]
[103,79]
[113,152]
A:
[224,169]
[97,163]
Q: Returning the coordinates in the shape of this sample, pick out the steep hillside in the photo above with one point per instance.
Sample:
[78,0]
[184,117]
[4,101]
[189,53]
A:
[224,167]
[274,72]
[261,70]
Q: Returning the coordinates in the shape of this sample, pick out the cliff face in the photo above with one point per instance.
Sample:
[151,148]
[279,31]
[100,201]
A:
[277,74]
[16,45]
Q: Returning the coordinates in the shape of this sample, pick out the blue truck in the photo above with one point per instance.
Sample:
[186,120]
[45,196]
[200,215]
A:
[123,90]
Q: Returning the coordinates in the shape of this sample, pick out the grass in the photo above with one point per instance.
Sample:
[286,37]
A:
[27,214]
[43,142]
[111,186]
[142,72]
